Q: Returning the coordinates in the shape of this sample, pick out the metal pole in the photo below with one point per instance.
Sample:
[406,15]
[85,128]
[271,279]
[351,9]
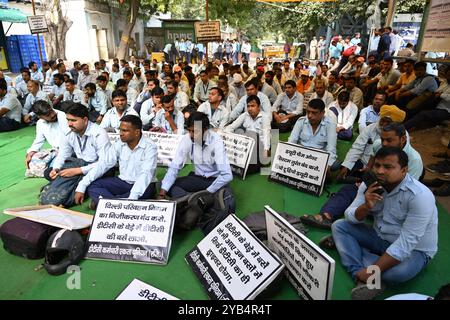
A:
[38,39]
[207,19]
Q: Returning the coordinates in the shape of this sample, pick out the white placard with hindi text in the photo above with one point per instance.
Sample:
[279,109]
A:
[300,168]
[166,143]
[138,290]
[308,268]
[131,230]
[232,264]
[239,150]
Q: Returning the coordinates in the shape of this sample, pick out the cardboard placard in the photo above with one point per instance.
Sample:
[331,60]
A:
[37,24]
[306,99]
[133,231]
[436,37]
[308,268]
[53,216]
[138,290]
[300,168]
[47,89]
[239,150]
[207,31]
[167,144]
[232,264]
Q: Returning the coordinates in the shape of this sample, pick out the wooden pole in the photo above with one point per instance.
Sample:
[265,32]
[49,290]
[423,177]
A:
[390,14]
[38,39]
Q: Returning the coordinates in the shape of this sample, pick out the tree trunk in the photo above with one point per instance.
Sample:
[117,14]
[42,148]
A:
[55,39]
[122,52]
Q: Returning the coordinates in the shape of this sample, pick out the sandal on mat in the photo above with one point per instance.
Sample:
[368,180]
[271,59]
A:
[327,242]
[318,221]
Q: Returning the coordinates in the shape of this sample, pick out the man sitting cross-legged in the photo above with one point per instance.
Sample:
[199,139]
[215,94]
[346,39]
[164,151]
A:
[136,156]
[207,151]
[403,238]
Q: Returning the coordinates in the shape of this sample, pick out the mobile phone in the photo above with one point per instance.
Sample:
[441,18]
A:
[369,178]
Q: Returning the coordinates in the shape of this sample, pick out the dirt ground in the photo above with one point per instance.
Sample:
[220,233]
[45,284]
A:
[427,142]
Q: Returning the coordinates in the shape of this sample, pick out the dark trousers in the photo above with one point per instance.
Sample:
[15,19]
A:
[189,184]
[7,124]
[286,126]
[340,201]
[427,118]
[115,188]
[345,134]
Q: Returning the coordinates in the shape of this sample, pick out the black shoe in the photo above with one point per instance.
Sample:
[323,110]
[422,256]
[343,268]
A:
[435,183]
[443,191]
[442,167]
[92,205]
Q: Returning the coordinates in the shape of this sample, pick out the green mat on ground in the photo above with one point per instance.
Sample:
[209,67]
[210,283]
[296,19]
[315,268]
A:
[20,279]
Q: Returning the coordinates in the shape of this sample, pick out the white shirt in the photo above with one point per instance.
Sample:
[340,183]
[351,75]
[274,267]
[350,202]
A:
[132,96]
[220,117]
[99,102]
[260,125]
[201,91]
[161,122]
[181,100]
[116,76]
[327,98]
[292,105]
[246,48]
[137,166]
[209,159]
[241,107]
[38,76]
[89,147]
[76,96]
[345,117]
[30,100]
[13,105]
[147,112]
[57,91]
[50,132]
[111,119]
[231,101]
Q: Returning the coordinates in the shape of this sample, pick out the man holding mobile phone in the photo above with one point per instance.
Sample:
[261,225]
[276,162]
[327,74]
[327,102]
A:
[403,237]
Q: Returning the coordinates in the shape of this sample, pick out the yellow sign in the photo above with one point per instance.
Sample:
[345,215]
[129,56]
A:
[3,62]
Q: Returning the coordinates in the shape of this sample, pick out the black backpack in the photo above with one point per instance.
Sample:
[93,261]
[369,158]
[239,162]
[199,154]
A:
[204,210]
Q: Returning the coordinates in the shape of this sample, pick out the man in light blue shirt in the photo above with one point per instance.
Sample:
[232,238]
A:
[168,119]
[371,114]
[87,141]
[403,238]
[252,90]
[97,102]
[206,150]
[112,118]
[287,108]
[136,156]
[316,131]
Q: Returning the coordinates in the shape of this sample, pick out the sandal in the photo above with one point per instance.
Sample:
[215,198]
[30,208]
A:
[327,242]
[440,155]
[312,221]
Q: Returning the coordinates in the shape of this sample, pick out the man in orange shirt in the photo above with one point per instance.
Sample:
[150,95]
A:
[304,83]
